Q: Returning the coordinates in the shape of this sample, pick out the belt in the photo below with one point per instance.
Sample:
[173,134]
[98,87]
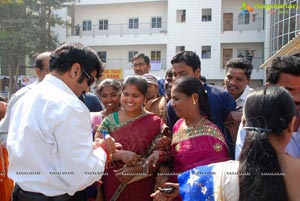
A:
[21,195]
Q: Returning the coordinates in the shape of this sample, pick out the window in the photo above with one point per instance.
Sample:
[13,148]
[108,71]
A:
[156,22]
[244,18]
[242,53]
[133,23]
[180,15]
[131,54]
[245,53]
[155,55]
[206,14]
[103,24]
[206,52]
[180,49]
[102,56]
[87,25]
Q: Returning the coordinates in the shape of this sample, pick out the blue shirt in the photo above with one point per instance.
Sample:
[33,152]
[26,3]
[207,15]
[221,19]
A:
[161,86]
[92,102]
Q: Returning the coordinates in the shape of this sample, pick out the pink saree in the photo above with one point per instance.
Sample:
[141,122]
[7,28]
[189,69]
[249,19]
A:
[193,147]
[135,135]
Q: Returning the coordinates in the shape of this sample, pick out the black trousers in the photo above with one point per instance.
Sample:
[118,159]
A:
[21,195]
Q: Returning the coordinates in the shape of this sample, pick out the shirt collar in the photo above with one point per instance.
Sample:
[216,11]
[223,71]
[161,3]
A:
[240,100]
[59,83]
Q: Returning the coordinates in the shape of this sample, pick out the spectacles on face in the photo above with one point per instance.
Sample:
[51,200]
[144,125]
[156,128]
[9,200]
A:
[138,65]
[90,79]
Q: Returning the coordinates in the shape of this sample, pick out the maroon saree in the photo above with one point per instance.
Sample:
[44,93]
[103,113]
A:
[135,135]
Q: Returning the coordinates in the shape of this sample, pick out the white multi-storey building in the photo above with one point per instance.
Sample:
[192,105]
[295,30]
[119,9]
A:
[216,30]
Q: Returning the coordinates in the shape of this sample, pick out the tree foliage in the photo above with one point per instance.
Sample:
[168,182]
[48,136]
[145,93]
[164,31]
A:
[25,30]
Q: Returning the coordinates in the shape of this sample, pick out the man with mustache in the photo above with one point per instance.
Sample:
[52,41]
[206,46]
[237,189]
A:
[51,152]
[141,65]
[237,78]
[285,72]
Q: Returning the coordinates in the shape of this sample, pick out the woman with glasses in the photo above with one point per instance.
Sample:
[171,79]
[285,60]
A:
[131,175]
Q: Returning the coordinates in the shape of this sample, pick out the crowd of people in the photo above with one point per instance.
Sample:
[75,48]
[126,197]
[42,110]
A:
[148,138]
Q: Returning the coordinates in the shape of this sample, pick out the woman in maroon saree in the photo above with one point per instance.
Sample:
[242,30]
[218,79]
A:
[131,175]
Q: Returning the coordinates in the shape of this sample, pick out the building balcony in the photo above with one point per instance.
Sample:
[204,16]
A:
[243,25]
[118,29]
[236,31]
[125,64]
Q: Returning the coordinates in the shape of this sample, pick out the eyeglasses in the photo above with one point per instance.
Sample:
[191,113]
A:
[138,65]
[90,79]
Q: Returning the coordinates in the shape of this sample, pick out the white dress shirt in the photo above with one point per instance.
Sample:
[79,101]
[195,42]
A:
[49,141]
[4,123]
[293,147]
[240,101]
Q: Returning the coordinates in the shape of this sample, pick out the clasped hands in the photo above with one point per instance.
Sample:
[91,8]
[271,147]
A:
[135,165]
[108,144]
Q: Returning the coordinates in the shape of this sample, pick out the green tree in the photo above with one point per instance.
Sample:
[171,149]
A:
[25,30]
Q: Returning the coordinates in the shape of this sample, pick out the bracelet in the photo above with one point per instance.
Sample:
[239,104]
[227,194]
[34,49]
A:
[109,155]
[146,166]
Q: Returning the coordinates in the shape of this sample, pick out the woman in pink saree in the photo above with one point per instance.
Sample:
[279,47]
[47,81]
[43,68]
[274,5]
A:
[196,140]
[131,175]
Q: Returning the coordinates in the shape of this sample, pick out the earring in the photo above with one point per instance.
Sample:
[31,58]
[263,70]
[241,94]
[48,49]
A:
[194,101]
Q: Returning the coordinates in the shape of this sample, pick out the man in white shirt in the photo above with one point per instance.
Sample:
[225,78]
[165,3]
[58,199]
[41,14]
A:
[49,139]
[285,72]
[237,79]
[41,69]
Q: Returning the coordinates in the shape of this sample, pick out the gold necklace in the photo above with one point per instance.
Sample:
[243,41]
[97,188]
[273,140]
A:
[198,124]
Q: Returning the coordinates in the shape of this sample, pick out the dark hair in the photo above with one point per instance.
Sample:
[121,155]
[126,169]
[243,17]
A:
[115,84]
[240,63]
[189,57]
[138,81]
[169,73]
[266,113]
[40,58]
[141,55]
[66,55]
[190,85]
[285,64]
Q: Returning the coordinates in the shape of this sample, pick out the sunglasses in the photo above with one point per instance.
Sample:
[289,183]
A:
[90,79]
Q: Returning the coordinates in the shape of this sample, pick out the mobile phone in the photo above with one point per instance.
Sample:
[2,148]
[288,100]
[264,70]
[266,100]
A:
[167,190]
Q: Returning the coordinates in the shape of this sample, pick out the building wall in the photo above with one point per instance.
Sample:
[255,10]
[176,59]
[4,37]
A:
[194,33]
[118,57]
[102,2]
[120,13]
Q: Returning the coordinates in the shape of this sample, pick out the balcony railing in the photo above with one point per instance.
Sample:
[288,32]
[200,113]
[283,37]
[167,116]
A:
[118,29]
[125,64]
[256,62]
[236,25]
